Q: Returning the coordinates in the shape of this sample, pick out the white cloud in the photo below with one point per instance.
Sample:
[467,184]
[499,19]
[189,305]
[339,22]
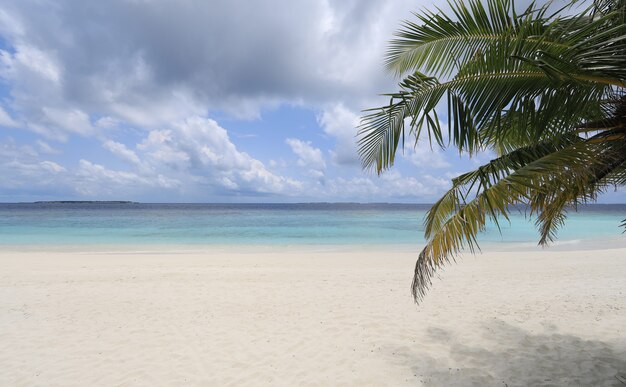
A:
[404,186]
[160,62]
[44,147]
[423,156]
[38,62]
[97,180]
[391,186]
[6,120]
[70,120]
[201,148]
[360,187]
[98,173]
[28,173]
[163,66]
[308,156]
[51,166]
[10,25]
[10,150]
[277,164]
[29,61]
[107,122]
[121,151]
[23,171]
[341,123]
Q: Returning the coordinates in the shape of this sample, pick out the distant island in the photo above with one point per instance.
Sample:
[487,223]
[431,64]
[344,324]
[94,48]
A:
[85,202]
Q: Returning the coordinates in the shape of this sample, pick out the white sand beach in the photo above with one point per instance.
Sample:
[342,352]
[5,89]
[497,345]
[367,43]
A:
[306,316]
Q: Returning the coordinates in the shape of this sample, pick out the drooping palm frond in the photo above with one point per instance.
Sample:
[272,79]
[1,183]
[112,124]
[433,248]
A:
[550,202]
[547,177]
[486,176]
[546,92]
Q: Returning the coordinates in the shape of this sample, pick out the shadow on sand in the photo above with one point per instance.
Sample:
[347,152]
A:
[514,357]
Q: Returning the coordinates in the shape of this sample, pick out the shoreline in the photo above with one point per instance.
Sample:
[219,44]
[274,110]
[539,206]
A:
[609,243]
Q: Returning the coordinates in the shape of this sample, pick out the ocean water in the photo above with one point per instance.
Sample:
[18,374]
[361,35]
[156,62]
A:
[40,224]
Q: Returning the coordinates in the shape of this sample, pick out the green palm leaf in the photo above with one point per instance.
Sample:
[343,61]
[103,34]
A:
[545,92]
[439,43]
[568,172]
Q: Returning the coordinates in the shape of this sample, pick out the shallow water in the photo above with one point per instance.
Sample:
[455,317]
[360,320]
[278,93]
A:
[265,224]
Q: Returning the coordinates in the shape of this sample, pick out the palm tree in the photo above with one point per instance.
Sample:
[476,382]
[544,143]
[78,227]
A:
[546,92]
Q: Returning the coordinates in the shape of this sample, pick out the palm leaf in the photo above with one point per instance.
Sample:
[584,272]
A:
[545,92]
[438,44]
[561,177]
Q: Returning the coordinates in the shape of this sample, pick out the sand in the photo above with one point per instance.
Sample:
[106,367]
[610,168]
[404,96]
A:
[307,316]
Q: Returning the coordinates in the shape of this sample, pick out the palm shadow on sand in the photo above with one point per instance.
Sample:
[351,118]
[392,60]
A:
[514,357]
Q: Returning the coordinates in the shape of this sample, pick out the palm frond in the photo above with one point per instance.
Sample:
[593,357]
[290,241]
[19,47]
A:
[452,224]
[477,99]
[545,91]
[438,43]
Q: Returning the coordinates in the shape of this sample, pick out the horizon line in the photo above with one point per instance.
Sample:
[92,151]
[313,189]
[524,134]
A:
[227,203]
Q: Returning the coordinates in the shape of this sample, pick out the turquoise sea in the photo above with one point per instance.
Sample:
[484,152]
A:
[40,224]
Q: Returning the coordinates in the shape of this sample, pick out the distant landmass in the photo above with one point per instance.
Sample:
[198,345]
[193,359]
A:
[85,202]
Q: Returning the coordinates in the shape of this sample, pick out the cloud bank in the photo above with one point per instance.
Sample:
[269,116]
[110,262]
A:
[143,100]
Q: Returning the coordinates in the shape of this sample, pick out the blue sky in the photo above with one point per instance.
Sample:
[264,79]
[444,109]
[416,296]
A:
[195,101]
